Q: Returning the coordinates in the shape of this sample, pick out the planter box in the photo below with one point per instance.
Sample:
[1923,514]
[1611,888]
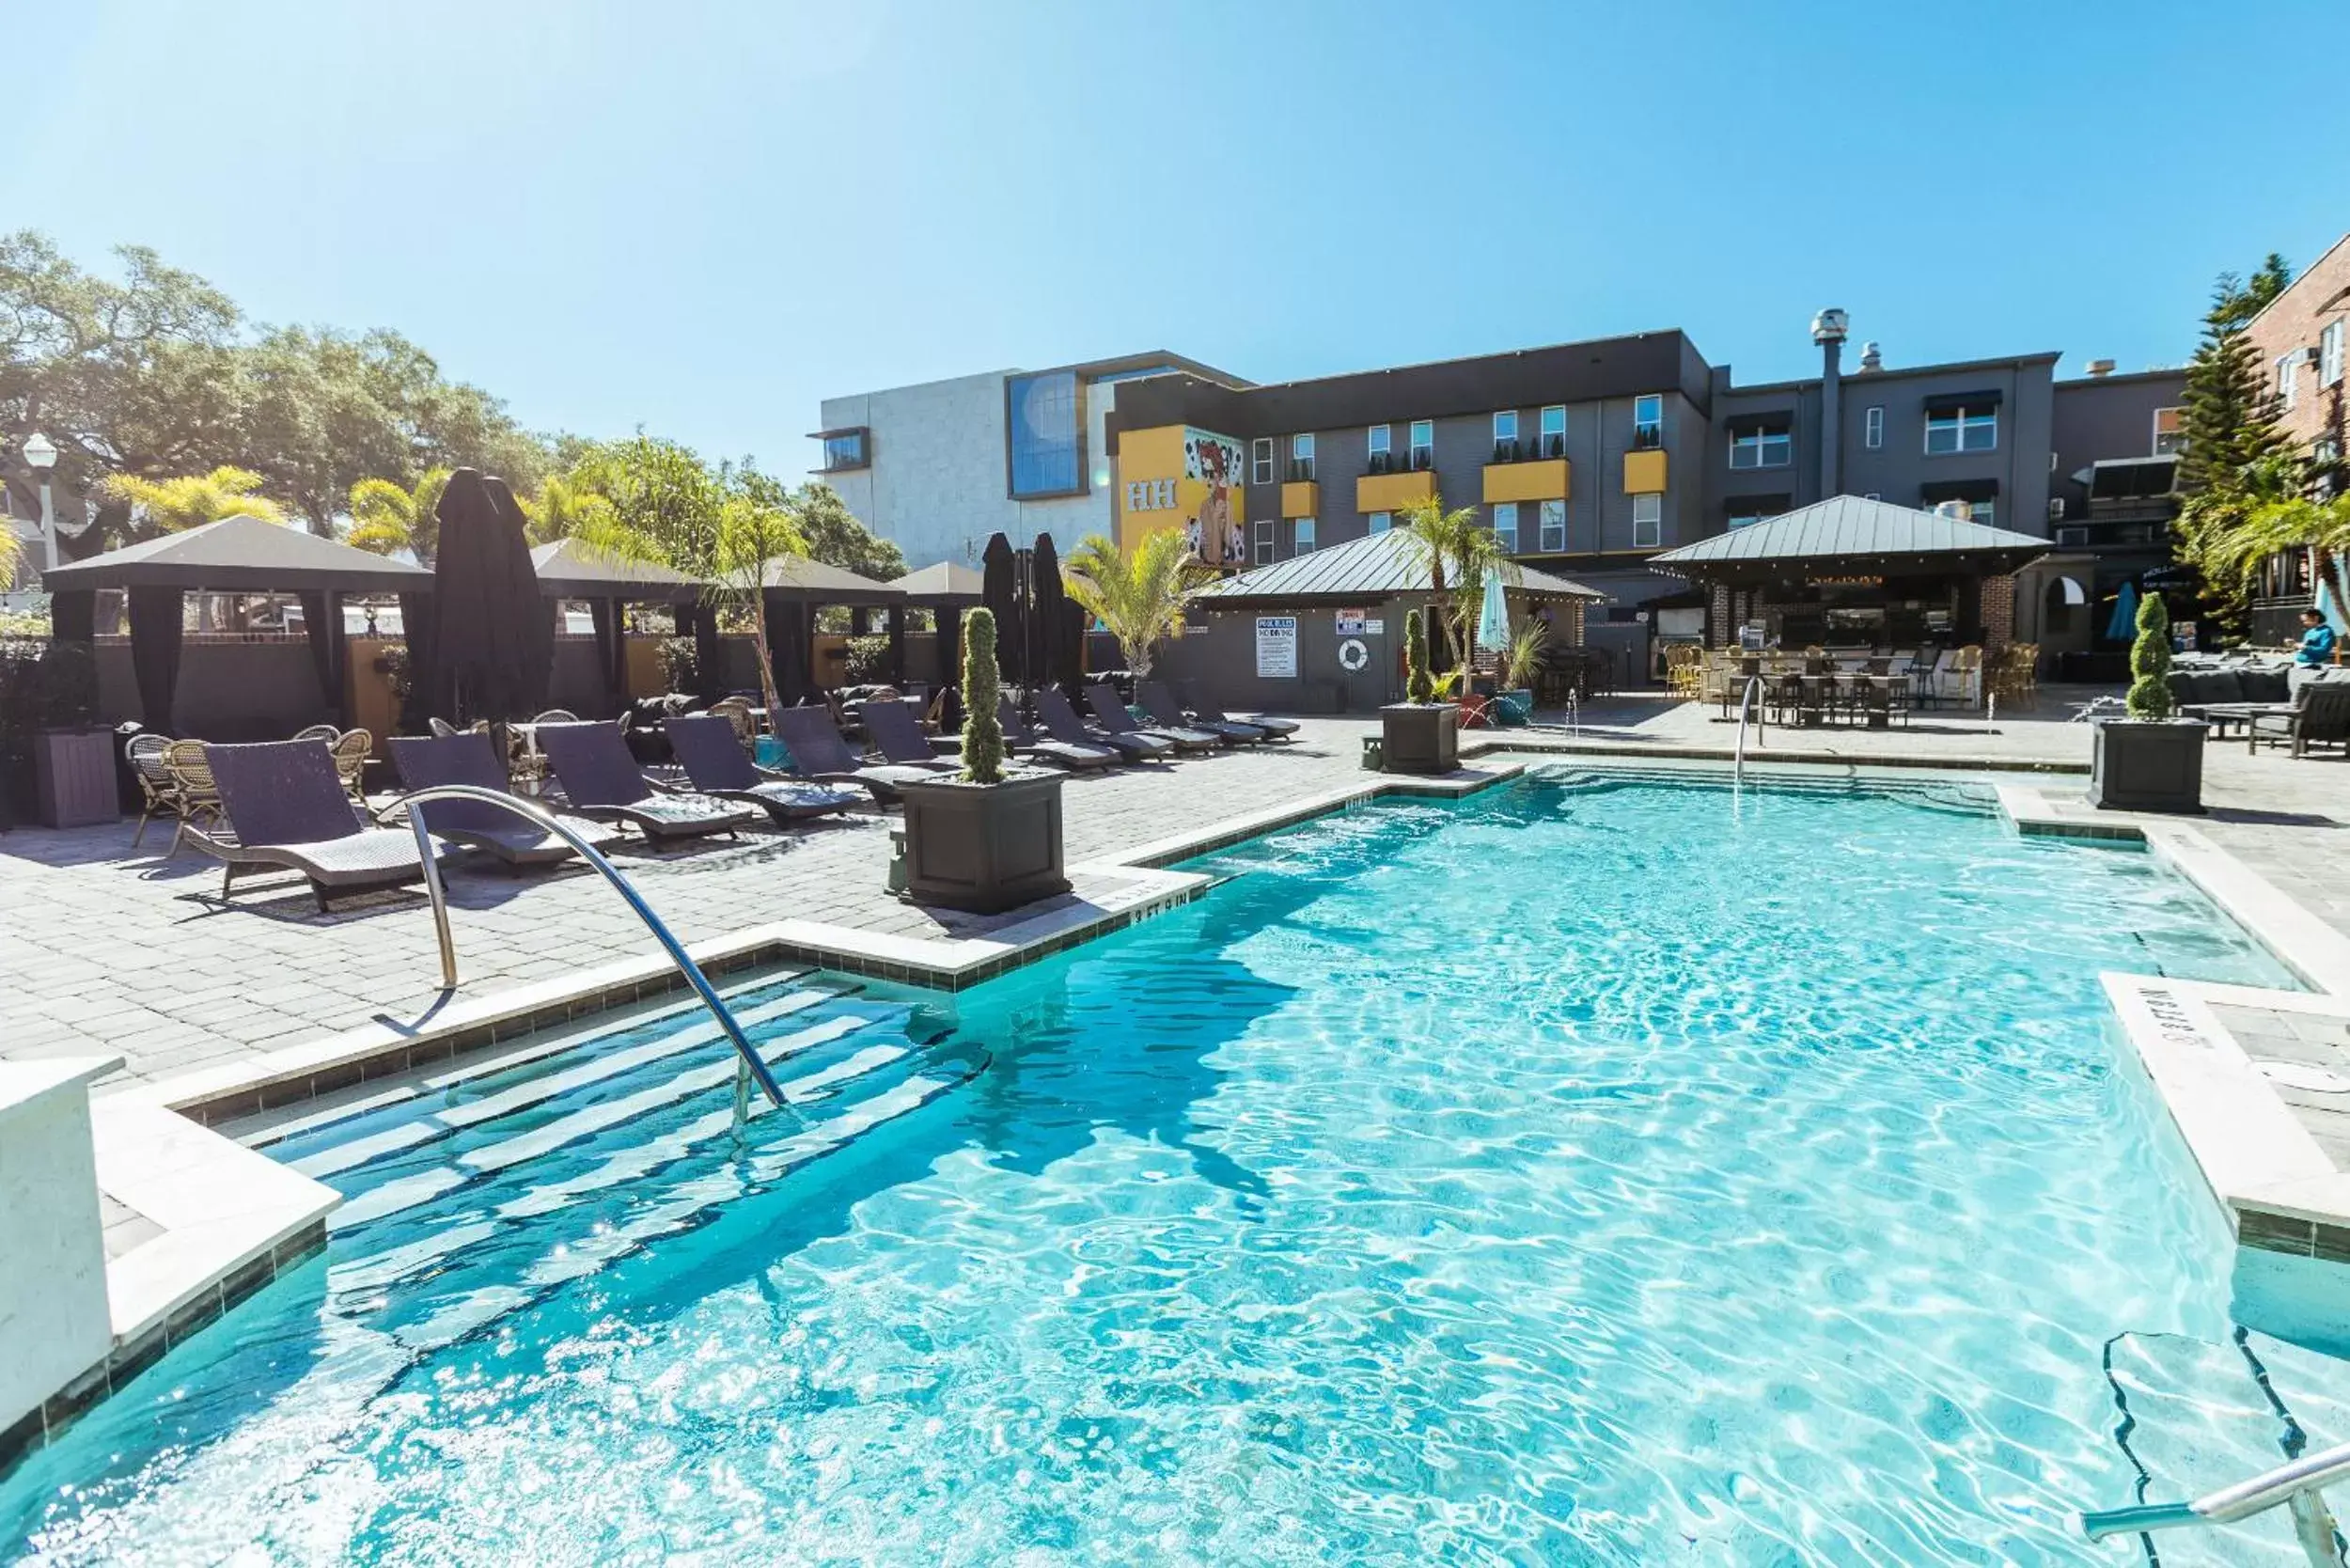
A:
[2140,766]
[74,773]
[984,848]
[1420,737]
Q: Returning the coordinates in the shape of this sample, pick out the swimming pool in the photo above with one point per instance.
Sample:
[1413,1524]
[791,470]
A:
[1599,1170]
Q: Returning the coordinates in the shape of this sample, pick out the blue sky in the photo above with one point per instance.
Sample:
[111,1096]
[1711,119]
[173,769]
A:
[703,216]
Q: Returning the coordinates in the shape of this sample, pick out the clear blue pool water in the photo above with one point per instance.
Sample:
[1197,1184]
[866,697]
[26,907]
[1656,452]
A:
[1611,1174]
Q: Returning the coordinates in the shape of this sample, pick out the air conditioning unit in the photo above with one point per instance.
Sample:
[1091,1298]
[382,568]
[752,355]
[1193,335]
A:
[2056,509]
[2074,537]
[1381,463]
[2312,356]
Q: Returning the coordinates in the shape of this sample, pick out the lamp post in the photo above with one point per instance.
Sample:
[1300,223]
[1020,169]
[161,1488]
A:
[41,455]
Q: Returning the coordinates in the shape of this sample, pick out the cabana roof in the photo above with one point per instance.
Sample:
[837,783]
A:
[568,569]
[1365,571]
[814,582]
[240,554]
[1852,530]
[944,583]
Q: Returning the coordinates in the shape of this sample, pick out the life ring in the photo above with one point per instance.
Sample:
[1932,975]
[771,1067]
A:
[1353,656]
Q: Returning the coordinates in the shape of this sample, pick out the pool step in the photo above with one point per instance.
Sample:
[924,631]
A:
[2193,1416]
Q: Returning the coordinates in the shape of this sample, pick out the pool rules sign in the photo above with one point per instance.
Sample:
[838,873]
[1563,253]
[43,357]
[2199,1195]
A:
[1276,647]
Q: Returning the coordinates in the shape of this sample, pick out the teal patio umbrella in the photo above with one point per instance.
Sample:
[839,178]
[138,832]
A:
[1493,616]
[2123,626]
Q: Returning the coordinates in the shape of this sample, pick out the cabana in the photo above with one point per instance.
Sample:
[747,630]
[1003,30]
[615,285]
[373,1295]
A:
[945,589]
[1852,572]
[569,570]
[795,587]
[236,555]
[1324,632]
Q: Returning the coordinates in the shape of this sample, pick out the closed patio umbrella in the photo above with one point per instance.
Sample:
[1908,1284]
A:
[1000,592]
[2123,626]
[1048,621]
[488,622]
[1493,616]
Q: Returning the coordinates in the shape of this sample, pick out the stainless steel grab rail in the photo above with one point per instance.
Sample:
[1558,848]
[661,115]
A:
[541,817]
[1745,699]
[2295,1485]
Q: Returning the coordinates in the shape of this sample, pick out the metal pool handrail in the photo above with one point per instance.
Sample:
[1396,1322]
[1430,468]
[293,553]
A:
[1745,699]
[2293,1486]
[542,817]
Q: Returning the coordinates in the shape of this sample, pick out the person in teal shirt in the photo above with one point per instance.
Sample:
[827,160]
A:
[2317,642]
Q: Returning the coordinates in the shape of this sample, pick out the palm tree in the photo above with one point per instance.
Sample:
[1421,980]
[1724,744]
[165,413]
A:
[385,518]
[174,506]
[2282,519]
[11,555]
[1457,550]
[562,509]
[1137,593]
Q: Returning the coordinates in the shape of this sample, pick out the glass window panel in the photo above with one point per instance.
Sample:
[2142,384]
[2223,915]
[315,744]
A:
[1555,419]
[1260,460]
[1648,513]
[1506,525]
[1047,434]
[1303,531]
[1381,521]
[1554,523]
[1506,425]
[1380,436]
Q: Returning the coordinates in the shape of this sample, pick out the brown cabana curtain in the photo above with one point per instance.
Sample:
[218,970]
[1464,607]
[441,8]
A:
[788,647]
[322,622]
[155,614]
[710,654]
[416,614]
[950,658]
[73,616]
[896,622]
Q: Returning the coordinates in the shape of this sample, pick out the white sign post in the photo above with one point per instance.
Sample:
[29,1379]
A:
[1276,647]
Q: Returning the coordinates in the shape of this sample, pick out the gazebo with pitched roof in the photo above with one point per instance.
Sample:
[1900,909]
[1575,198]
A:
[795,587]
[946,589]
[569,568]
[1852,572]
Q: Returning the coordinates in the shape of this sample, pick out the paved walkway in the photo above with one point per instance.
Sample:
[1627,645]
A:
[103,951]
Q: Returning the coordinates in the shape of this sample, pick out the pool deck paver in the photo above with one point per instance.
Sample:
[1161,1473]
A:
[104,951]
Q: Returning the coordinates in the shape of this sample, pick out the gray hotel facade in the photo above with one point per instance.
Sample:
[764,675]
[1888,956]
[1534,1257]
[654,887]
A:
[1588,458]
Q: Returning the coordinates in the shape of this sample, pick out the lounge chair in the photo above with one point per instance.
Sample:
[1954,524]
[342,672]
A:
[1060,722]
[1113,718]
[1076,756]
[2321,714]
[1167,713]
[891,724]
[516,842]
[818,752]
[285,809]
[601,779]
[1275,729]
[710,750]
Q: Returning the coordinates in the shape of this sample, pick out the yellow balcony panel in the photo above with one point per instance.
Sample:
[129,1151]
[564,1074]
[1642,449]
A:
[1643,473]
[1393,492]
[1302,498]
[1545,480]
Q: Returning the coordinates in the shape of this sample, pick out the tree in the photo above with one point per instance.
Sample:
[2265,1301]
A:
[659,491]
[1456,550]
[2231,439]
[385,518]
[2238,300]
[563,507]
[172,506]
[833,533]
[982,691]
[1137,593]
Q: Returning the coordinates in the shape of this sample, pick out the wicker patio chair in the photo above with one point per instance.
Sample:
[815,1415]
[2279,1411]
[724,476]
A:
[350,750]
[326,732]
[736,710]
[196,794]
[159,792]
[441,728]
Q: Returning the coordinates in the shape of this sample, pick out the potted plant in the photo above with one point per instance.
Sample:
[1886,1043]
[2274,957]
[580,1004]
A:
[1515,704]
[2150,760]
[1419,734]
[983,840]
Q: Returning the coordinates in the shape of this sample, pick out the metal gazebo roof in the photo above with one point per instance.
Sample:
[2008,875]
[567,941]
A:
[1378,567]
[944,583]
[240,553]
[1852,530]
[816,582]
[569,570]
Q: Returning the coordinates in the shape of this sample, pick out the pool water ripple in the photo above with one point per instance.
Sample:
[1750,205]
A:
[1576,1175]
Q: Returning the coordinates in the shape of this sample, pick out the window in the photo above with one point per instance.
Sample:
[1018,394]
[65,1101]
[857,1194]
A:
[1260,460]
[1264,540]
[1962,430]
[1381,459]
[2325,467]
[1506,525]
[1761,447]
[1554,526]
[1506,425]
[1301,457]
[1045,433]
[1555,431]
[1381,521]
[1423,441]
[1648,521]
[1985,511]
[1872,429]
[1648,420]
[2330,354]
[1745,519]
[2170,430]
[845,450]
[1302,537]
[2288,381]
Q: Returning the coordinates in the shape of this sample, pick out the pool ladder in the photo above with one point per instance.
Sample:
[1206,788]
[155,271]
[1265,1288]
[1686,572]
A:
[1748,700]
[749,1069]
[2295,1485]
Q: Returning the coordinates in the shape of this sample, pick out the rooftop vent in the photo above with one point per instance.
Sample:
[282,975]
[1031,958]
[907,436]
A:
[2101,366]
[1829,326]
[1872,358]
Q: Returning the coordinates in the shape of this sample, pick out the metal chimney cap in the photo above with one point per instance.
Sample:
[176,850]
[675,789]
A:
[2101,366]
[1829,326]
[1872,358]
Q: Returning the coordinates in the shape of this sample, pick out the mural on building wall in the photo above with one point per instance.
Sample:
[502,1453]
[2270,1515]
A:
[1214,529]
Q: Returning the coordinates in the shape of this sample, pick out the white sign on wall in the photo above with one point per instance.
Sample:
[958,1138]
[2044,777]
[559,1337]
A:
[1350,623]
[1276,647]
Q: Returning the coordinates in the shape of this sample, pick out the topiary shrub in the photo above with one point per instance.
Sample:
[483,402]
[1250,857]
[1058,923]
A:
[983,729]
[2149,662]
[1418,687]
